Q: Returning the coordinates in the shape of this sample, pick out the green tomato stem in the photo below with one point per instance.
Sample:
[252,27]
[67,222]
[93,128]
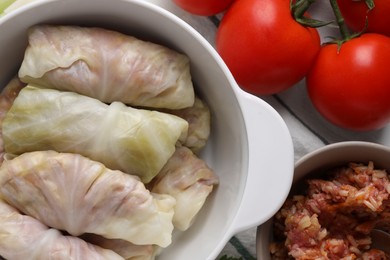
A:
[344,30]
[370,4]
[298,11]
[300,7]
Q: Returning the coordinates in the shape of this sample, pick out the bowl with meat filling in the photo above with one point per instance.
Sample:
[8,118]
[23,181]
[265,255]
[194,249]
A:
[124,136]
[340,193]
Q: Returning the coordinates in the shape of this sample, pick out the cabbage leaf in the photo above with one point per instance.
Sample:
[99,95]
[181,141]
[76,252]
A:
[135,141]
[70,192]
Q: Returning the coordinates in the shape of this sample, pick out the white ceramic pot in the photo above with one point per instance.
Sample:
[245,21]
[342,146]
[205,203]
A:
[250,147]
[322,159]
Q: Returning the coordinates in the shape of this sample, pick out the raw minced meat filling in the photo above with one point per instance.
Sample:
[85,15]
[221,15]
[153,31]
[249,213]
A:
[333,218]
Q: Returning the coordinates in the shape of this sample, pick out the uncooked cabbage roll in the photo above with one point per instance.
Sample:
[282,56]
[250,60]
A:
[73,193]
[132,140]
[189,180]
[23,237]
[107,65]
[199,119]
[127,250]
[7,97]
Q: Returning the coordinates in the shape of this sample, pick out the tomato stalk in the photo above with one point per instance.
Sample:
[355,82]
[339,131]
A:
[344,30]
[299,9]
[370,4]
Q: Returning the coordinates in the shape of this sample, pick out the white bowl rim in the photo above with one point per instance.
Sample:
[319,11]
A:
[264,231]
[281,147]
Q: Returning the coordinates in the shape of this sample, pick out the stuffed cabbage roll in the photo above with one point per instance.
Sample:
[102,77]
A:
[132,140]
[23,237]
[7,97]
[73,193]
[107,65]
[124,248]
[189,180]
[199,119]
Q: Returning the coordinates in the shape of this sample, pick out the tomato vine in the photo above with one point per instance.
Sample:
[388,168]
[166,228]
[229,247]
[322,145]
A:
[348,82]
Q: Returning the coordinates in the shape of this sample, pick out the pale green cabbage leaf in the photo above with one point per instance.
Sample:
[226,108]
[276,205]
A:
[7,6]
[23,237]
[189,180]
[73,193]
[119,68]
[4,4]
[135,141]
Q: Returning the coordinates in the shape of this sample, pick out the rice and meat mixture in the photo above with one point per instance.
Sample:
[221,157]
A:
[333,218]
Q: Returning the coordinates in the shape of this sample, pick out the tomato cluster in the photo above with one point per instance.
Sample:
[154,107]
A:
[269,49]
[349,83]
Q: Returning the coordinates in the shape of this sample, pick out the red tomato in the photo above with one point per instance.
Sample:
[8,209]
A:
[203,7]
[266,50]
[355,13]
[351,86]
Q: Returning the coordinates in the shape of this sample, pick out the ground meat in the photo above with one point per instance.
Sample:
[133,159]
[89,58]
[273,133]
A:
[333,217]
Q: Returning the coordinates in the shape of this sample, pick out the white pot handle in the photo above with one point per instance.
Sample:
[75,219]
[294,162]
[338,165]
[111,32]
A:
[269,179]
